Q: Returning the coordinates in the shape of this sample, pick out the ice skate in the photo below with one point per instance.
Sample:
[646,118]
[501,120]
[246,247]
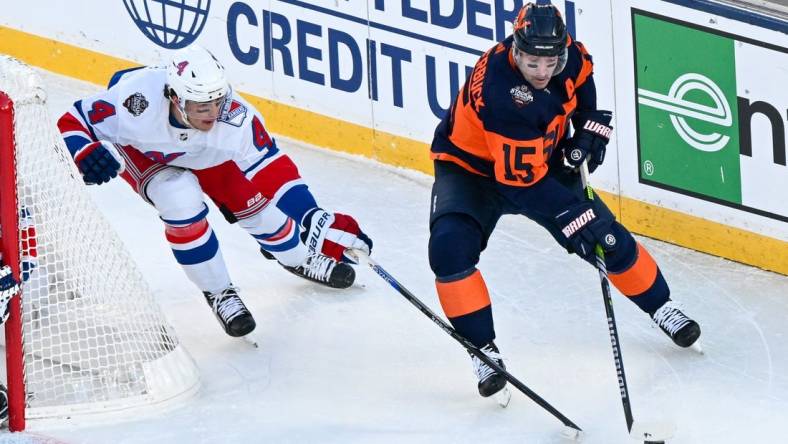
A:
[491,383]
[340,275]
[231,312]
[325,270]
[682,330]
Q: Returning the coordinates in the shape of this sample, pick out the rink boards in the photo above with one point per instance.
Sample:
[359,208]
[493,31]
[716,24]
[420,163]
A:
[698,156]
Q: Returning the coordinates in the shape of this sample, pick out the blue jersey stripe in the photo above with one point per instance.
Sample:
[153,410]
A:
[273,149]
[78,106]
[76,143]
[116,77]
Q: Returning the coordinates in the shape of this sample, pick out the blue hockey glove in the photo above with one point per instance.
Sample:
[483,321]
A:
[99,162]
[590,140]
[584,229]
[9,287]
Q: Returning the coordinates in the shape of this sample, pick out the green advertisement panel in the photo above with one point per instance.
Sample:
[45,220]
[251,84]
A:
[688,136]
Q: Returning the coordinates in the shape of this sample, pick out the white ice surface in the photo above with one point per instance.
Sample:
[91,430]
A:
[364,366]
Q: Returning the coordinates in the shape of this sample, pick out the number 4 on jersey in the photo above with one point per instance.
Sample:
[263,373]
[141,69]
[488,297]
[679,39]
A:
[260,136]
[101,110]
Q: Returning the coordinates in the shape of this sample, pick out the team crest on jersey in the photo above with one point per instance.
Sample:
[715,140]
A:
[136,104]
[159,157]
[233,113]
[521,95]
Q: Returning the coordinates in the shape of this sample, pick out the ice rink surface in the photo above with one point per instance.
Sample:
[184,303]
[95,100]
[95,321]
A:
[364,366]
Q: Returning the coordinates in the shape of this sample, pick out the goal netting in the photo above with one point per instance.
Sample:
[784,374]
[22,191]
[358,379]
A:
[93,339]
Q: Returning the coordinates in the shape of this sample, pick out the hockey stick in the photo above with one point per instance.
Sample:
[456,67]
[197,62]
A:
[572,431]
[653,433]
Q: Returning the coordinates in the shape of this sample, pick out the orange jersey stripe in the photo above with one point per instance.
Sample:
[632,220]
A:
[464,296]
[468,132]
[467,128]
[639,277]
[587,67]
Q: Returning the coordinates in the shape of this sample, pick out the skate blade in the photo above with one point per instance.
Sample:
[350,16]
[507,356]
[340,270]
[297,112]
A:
[572,434]
[502,397]
[696,347]
[652,432]
[249,339]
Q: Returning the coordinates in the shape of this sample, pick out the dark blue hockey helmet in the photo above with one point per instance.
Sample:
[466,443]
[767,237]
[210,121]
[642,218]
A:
[539,30]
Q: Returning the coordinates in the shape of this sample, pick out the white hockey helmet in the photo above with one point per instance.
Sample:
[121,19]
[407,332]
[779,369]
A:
[195,74]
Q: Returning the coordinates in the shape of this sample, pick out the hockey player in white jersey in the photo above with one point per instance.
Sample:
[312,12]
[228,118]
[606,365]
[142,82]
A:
[176,132]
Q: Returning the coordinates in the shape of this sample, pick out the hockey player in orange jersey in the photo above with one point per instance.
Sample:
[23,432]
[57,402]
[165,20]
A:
[503,149]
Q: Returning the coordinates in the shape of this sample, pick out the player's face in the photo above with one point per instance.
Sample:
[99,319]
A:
[537,70]
[203,115]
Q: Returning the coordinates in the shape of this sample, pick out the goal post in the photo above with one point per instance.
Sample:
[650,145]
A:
[86,336]
[8,237]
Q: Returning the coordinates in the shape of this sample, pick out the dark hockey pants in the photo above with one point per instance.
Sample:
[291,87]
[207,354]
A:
[464,212]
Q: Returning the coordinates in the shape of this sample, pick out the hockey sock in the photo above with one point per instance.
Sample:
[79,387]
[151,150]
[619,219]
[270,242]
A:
[196,248]
[466,302]
[642,281]
[279,236]
[284,243]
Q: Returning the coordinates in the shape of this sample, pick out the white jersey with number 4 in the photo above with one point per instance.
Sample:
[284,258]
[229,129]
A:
[134,112]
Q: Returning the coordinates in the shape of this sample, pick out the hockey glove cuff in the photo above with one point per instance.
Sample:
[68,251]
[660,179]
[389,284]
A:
[584,229]
[99,162]
[590,139]
[331,234]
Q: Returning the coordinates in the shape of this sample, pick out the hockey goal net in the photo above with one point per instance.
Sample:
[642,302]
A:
[86,336]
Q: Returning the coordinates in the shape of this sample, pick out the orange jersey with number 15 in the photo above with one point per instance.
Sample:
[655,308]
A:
[501,126]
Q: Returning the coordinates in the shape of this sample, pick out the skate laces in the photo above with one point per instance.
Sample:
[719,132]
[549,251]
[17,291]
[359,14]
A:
[482,370]
[670,318]
[228,304]
[318,266]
